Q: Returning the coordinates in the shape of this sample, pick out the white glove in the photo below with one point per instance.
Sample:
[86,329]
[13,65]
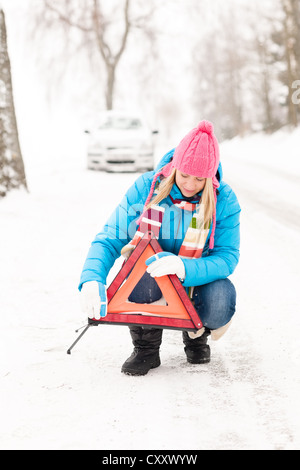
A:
[165,263]
[93,299]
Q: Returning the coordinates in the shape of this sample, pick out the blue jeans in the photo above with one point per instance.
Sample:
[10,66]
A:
[214,302]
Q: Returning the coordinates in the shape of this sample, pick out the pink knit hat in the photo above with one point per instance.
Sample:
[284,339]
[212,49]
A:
[197,155]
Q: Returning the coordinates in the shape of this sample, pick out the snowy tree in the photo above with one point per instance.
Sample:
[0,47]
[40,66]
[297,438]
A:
[12,172]
[286,38]
[291,37]
[222,71]
[247,65]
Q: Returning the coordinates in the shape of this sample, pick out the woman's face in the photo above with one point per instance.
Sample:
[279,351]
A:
[189,185]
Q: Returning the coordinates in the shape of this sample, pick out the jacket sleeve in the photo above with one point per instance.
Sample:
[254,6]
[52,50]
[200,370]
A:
[223,259]
[116,233]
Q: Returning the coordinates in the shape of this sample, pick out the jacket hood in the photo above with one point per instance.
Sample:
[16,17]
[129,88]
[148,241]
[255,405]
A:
[168,156]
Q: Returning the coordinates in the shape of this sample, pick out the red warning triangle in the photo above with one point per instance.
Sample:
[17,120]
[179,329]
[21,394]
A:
[178,313]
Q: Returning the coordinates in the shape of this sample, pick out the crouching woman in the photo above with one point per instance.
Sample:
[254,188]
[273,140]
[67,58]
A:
[195,216]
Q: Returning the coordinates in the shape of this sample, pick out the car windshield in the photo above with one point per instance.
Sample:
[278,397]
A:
[125,123]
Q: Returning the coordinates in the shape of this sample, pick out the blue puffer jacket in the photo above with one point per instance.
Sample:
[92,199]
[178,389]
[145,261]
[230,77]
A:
[120,228]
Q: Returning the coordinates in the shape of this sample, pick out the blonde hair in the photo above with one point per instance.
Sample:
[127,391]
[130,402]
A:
[207,198]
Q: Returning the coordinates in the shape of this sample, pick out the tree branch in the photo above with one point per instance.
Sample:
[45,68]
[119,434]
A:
[126,32]
[67,19]
[99,28]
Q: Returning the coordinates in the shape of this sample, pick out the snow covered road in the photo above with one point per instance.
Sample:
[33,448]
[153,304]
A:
[246,398]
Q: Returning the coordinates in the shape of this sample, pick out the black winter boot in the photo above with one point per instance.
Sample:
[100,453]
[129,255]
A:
[197,350]
[145,355]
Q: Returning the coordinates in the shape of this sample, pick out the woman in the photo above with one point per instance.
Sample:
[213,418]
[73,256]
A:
[196,216]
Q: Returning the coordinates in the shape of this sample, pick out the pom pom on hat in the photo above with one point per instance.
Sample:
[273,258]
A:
[206,126]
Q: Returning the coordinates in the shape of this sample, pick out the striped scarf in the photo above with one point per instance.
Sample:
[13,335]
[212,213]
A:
[195,237]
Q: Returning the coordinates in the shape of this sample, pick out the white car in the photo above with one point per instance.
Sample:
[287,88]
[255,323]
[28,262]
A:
[120,142]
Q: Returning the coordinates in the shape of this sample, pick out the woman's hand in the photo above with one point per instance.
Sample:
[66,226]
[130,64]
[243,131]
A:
[165,263]
[93,299]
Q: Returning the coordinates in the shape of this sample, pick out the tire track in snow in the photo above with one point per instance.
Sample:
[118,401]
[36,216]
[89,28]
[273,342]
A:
[229,404]
[253,396]
[275,209]
[265,189]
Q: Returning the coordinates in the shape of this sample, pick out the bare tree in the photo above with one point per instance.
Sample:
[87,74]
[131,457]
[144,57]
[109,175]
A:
[265,86]
[12,172]
[111,60]
[286,37]
[90,18]
[220,70]
[290,45]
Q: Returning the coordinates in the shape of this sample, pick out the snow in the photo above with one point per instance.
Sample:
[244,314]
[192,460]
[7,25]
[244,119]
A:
[246,398]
